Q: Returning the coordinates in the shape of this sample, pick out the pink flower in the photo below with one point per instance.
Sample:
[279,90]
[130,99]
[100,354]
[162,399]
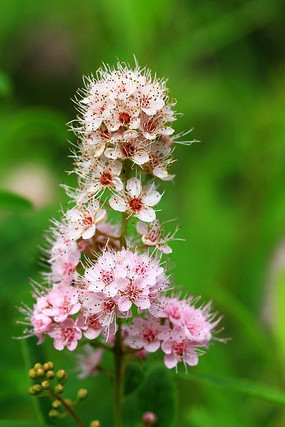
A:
[62,302]
[136,200]
[146,334]
[90,326]
[178,348]
[102,276]
[105,308]
[88,361]
[66,334]
[197,326]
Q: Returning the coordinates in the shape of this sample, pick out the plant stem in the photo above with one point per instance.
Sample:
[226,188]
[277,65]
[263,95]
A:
[118,353]
[69,410]
[119,374]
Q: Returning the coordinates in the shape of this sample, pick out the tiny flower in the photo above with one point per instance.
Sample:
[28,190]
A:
[88,361]
[62,301]
[82,223]
[90,326]
[65,334]
[136,200]
[102,175]
[153,236]
[146,334]
[178,348]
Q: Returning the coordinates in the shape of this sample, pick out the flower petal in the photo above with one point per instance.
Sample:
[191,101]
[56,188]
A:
[134,187]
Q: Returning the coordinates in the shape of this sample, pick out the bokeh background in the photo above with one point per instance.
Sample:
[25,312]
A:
[226,67]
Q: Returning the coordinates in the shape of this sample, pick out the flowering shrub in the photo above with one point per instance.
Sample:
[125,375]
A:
[107,287]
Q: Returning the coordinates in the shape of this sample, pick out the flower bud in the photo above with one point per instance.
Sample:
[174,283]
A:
[82,394]
[32,391]
[45,385]
[95,423]
[61,375]
[50,375]
[48,366]
[59,388]
[38,366]
[32,374]
[53,413]
[68,402]
[148,419]
[36,388]
[40,373]
[56,404]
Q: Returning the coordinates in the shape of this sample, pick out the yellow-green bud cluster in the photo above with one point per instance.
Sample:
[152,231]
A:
[45,374]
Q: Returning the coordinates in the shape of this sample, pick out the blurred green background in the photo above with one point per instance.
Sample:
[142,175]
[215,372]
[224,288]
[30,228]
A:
[226,67]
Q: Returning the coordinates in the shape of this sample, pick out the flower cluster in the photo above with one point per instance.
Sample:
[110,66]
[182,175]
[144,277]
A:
[103,281]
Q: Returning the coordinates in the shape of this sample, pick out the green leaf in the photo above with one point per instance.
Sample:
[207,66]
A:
[158,394]
[13,201]
[5,85]
[133,378]
[249,388]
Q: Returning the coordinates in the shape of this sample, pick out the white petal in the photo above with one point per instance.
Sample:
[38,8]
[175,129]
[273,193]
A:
[112,153]
[146,215]
[100,215]
[140,158]
[134,187]
[118,204]
[89,232]
[116,168]
[151,198]
[160,172]
[165,249]
[142,228]
[118,183]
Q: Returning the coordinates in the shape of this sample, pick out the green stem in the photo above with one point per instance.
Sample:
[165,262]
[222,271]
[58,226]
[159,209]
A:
[118,352]
[119,374]
[69,409]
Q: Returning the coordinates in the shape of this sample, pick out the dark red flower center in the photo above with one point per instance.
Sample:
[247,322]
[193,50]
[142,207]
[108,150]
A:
[135,204]
[106,178]
[124,118]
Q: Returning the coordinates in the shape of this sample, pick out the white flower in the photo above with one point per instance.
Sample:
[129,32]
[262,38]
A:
[153,236]
[82,222]
[129,147]
[136,200]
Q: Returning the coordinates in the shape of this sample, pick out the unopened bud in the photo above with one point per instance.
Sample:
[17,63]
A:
[38,366]
[59,388]
[95,423]
[37,388]
[56,404]
[53,413]
[45,385]
[48,366]
[32,374]
[50,375]
[82,394]
[68,402]
[148,419]
[32,391]
[40,373]
[61,375]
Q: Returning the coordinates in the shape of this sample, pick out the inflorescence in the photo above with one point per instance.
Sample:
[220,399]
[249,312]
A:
[102,278]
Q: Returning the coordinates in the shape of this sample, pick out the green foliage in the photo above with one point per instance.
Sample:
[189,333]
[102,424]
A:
[158,395]
[249,388]
[13,201]
[133,377]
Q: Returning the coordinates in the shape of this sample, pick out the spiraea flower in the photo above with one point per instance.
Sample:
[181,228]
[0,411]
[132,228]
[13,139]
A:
[137,200]
[101,286]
